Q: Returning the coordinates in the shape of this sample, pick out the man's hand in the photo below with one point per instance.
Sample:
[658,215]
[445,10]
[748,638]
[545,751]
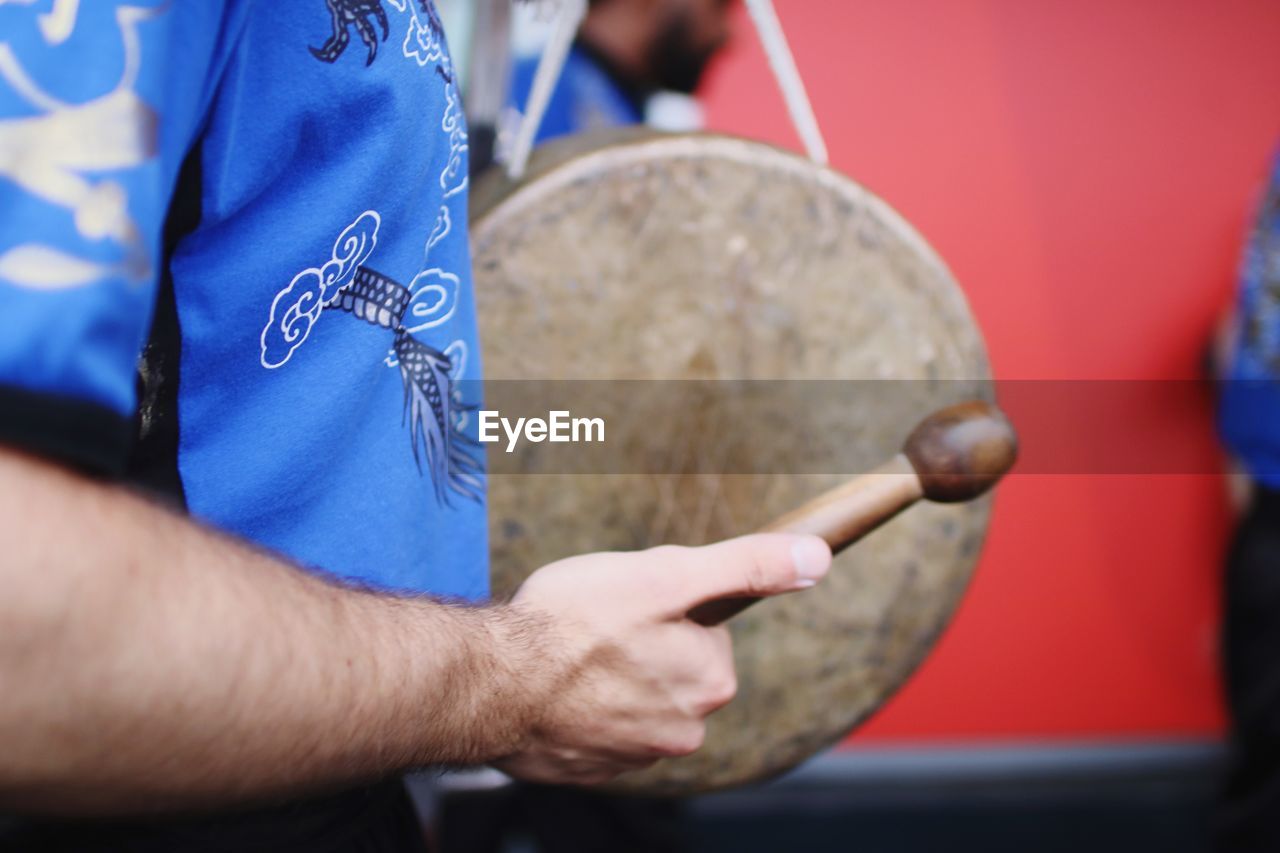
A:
[632,679]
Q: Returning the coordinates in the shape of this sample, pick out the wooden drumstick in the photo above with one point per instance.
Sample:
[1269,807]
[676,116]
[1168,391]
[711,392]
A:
[954,455]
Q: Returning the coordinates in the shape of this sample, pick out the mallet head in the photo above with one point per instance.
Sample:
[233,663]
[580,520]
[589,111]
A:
[961,451]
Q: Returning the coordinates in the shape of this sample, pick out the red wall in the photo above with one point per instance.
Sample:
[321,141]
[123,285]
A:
[1086,167]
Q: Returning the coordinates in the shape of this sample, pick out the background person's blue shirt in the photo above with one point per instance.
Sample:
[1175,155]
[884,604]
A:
[588,95]
[320,287]
[1249,416]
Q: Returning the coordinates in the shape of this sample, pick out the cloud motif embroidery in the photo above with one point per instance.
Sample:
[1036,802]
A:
[424,39]
[453,179]
[297,307]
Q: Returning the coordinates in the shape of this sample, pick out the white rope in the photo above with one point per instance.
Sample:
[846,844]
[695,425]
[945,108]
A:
[785,72]
[572,13]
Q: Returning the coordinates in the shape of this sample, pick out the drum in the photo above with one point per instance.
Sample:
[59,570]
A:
[630,255]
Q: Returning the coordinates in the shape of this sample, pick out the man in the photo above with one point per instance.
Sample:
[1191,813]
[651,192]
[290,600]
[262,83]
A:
[1249,817]
[627,50]
[268,200]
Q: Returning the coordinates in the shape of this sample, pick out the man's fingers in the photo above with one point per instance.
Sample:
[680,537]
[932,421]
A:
[753,566]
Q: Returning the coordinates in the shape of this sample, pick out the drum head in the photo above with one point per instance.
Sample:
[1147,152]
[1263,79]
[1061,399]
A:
[640,256]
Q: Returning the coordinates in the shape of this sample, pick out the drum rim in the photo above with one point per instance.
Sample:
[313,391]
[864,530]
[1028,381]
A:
[563,162]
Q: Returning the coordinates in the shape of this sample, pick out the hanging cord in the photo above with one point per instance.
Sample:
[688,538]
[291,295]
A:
[570,17]
[785,72]
[781,63]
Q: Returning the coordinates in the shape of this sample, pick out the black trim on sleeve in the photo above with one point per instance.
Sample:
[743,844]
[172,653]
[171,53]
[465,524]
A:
[86,435]
[153,464]
[141,449]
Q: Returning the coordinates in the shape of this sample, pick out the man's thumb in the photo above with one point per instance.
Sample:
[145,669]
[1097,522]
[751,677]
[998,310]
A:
[755,566]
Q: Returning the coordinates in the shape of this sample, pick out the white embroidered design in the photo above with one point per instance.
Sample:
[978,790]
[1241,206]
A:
[441,229]
[457,352]
[435,297]
[423,39]
[453,179]
[297,307]
[55,154]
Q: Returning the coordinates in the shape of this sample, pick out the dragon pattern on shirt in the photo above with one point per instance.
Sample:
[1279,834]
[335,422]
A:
[430,369]
[423,38]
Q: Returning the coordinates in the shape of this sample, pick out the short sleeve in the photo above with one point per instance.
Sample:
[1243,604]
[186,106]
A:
[99,105]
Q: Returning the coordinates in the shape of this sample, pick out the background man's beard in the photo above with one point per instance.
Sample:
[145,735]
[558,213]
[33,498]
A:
[676,64]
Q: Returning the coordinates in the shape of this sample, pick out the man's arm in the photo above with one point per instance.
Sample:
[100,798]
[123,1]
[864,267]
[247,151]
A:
[149,664]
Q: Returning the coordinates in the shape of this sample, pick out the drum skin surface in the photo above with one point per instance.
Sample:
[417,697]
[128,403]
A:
[644,256]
